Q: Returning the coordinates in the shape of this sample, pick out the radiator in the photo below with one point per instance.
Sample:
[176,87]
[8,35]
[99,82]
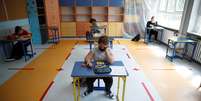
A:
[197,53]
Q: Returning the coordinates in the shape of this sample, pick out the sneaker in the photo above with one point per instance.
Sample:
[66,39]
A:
[9,59]
[86,93]
[110,95]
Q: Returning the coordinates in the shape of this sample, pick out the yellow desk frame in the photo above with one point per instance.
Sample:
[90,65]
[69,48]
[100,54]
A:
[76,92]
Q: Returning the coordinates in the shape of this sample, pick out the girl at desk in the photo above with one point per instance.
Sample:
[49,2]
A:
[19,35]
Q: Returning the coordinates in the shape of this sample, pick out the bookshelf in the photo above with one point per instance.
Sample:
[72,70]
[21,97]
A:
[80,12]
[67,14]
[43,14]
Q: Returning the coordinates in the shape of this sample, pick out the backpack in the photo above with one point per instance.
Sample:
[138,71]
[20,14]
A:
[136,38]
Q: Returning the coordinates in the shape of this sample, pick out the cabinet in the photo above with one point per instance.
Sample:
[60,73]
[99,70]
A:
[115,29]
[81,11]
[3,13]
[68,29]
[82,28]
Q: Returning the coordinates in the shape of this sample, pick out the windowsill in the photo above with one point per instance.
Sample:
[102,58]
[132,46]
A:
[168,28]
[194,33]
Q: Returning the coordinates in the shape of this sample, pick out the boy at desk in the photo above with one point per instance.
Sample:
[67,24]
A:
[95,29]
[19,35]
[150,25]
[102,52]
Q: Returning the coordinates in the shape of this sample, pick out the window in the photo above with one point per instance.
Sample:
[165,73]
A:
[180,5]
[170,13]
[195,19]
[171,6]
[163,5]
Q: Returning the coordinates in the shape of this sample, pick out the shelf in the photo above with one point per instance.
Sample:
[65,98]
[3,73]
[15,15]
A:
[83,18]
[99,14]
[67,10]
[100,3]
[118,3]
[115,15]
[41,14]
[83,10]
[40,8]
[115,10]
[115,18]
[100,18]
[67,18]
[83,3]
[68,15]
[99,10]
[83,14]
[42,20]
[40,3]
[67,2]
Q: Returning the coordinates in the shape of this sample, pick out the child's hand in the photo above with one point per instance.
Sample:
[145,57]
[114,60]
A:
[87,64]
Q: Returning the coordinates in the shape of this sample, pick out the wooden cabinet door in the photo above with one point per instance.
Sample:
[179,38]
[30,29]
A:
[3,13]
[16,9]
[82,28]
[119,29]
[68,29]
[52,13]
[115,29]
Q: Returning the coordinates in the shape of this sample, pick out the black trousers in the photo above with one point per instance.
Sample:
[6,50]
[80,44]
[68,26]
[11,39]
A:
[153,32]
[17,51]
[107,80]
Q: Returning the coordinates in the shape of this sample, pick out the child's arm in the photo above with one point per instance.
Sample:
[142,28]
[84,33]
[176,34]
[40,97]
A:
[88,59]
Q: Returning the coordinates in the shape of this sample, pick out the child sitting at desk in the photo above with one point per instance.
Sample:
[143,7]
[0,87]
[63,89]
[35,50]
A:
[102,52]
[150,26]
[23,36]
[95,29]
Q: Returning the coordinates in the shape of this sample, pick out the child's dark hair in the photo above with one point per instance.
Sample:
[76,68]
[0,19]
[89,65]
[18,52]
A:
[18,29]
[103,39]
[92,20]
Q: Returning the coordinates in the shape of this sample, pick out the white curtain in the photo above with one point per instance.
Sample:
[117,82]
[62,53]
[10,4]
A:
[167,13]
[137,12]
[195,21]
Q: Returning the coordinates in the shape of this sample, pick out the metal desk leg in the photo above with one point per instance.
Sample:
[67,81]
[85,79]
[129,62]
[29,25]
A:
[194,47]
[24,51]
[78,95]
[32,52]
[145,35]
[90,45]
[5,50]
[167,49]
[118,88]
[124,88]
[98,82]
[74,89]
[174,51]
[112,44]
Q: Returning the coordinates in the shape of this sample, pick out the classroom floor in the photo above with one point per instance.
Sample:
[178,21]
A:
[152,77]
